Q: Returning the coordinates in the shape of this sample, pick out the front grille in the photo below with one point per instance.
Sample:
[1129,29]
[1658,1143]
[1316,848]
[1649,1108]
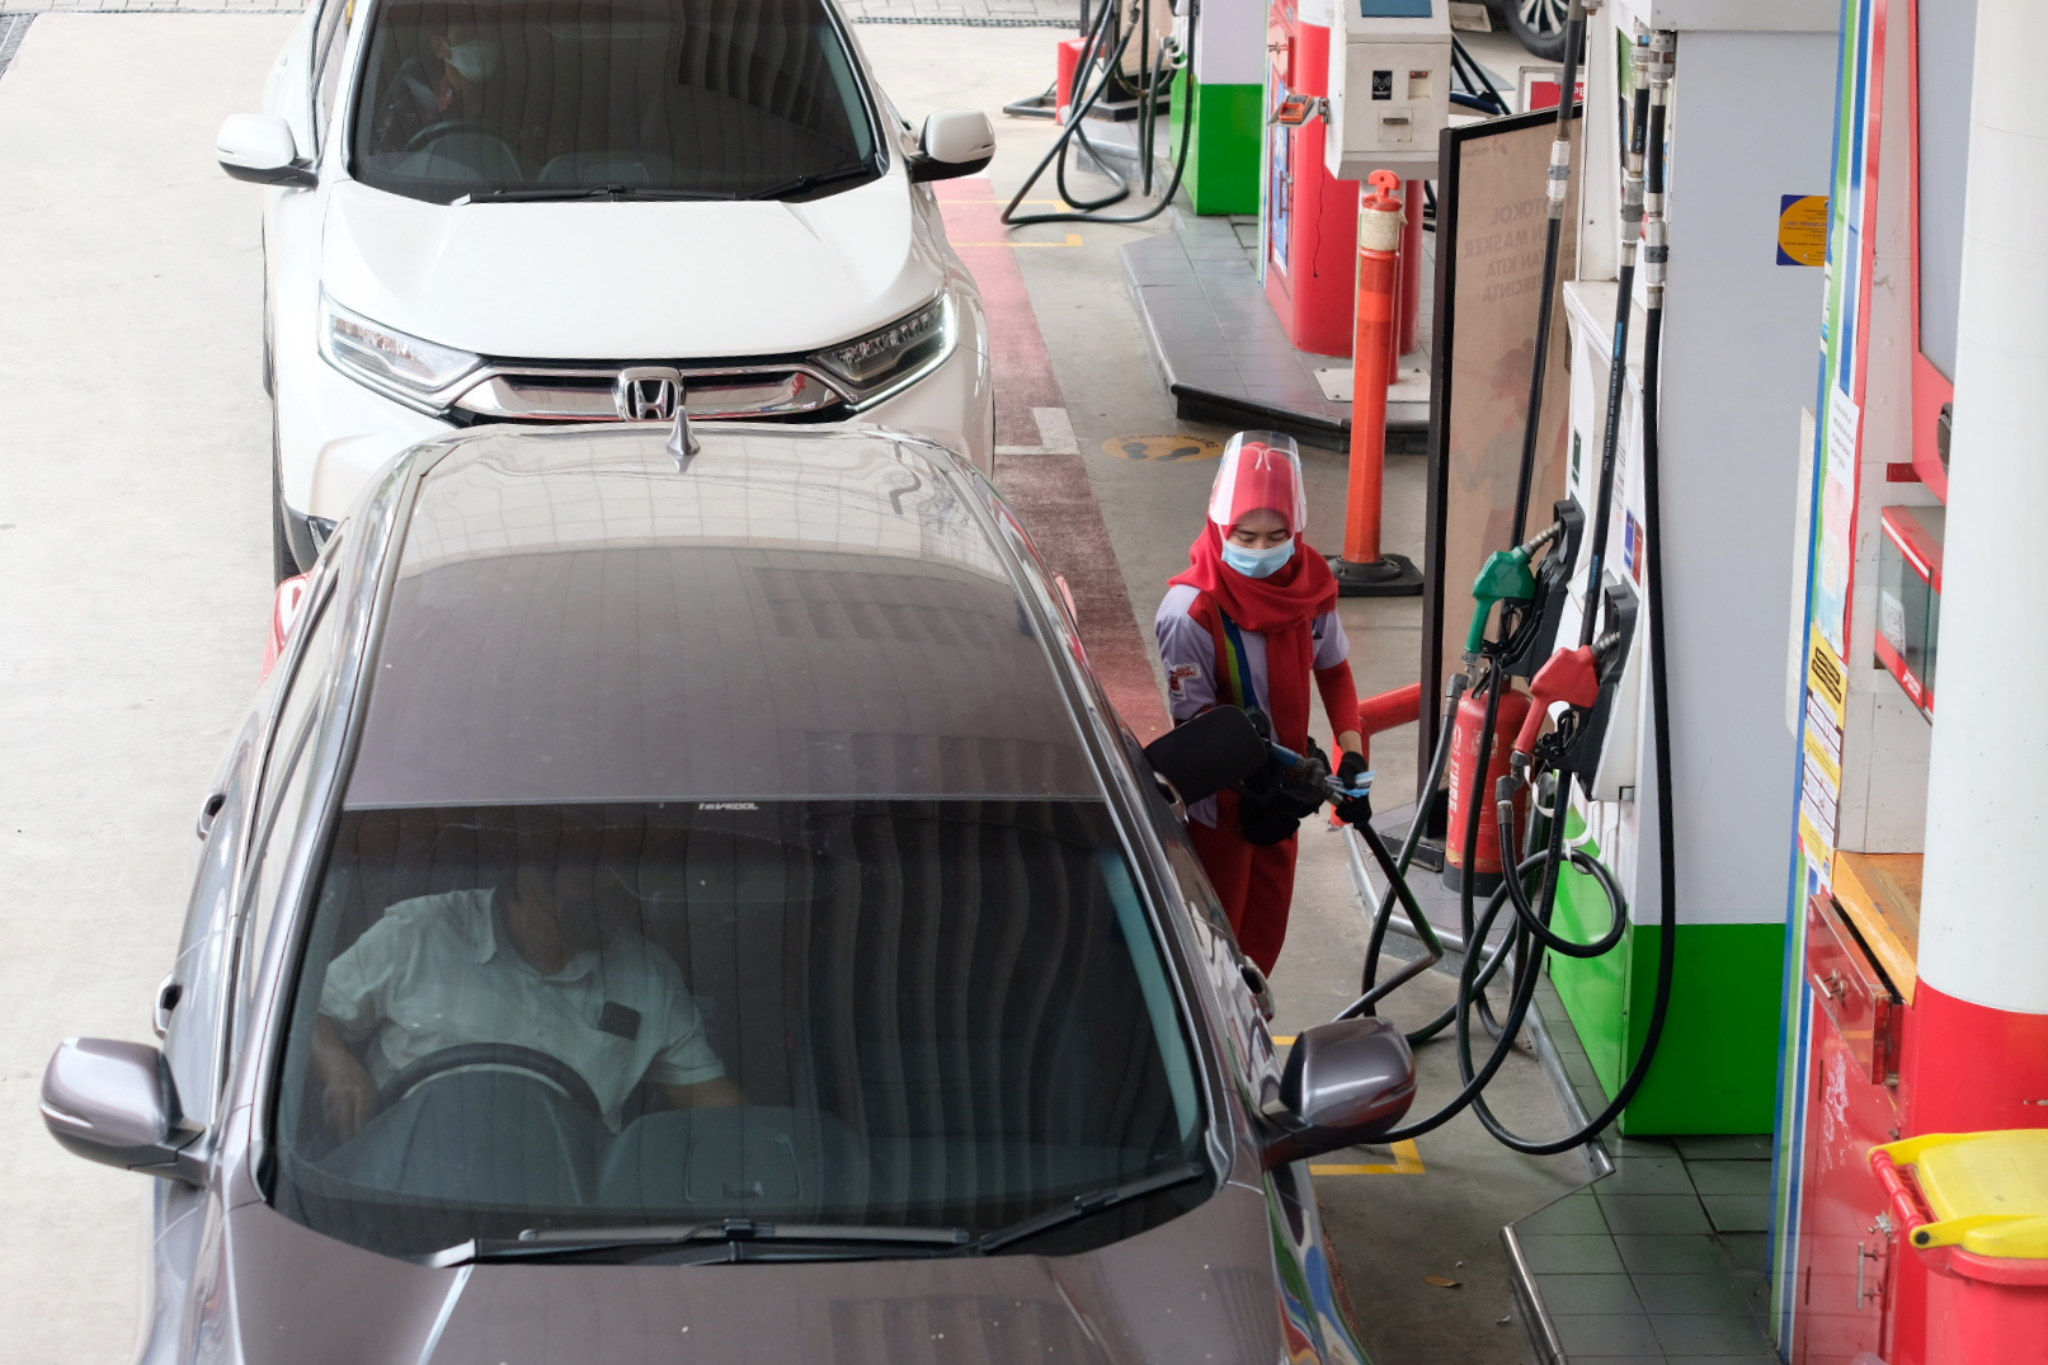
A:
[514,393]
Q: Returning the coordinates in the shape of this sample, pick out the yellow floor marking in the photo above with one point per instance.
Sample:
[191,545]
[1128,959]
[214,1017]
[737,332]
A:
[1407,1161]
[1283,1040]
[1073,239]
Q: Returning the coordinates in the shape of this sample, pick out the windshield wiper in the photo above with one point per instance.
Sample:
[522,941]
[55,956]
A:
[529,194]
[813,181]
[545,1244]
[1088,1205]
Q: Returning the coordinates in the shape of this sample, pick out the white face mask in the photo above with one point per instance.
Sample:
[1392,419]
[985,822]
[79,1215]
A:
[474,60]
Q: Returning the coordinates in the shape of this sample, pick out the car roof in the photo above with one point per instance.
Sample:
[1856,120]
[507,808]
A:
[578,616]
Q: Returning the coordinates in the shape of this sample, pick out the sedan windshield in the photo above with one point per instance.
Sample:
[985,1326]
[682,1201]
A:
[568,99]
[865,1015]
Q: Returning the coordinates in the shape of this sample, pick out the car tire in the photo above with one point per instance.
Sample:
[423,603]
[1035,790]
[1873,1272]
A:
[1538,25]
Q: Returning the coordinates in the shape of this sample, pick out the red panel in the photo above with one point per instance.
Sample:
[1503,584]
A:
[1846,1257]
[1850,991]
[1931,388]
[1969,1069]
[1314,294]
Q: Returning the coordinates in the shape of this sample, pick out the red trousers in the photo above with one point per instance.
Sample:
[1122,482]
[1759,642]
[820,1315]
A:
[1254,881]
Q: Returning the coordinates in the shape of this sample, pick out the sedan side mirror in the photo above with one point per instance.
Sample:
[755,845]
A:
[115,1103]
[260,148]
[1346,1082]
[958,143]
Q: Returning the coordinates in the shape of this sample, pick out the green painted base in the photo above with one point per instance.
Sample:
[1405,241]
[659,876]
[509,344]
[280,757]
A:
[1229,129]
[1716,1066]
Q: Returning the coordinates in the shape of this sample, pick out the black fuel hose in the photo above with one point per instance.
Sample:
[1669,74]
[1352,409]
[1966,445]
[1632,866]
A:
[1533,915]
[1151,84]
[1560,165]
[1660,705]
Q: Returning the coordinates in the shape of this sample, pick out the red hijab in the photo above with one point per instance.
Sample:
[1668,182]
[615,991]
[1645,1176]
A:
[1281,606]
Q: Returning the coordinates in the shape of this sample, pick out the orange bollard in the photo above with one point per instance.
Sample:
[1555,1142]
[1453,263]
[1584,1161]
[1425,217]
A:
[1362,570]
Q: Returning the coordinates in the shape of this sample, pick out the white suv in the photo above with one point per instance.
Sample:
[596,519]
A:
[553,211]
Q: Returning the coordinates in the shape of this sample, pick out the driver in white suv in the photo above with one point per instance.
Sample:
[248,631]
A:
[446,82]
[541,969]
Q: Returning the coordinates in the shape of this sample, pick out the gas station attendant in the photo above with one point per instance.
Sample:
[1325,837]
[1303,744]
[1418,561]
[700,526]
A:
[1248,623]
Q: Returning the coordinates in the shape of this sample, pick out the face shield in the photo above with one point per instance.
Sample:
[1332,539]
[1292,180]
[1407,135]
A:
[1260,469]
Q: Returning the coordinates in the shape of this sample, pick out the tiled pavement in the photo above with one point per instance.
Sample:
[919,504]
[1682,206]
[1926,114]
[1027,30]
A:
[1031,13]
[1661,1263]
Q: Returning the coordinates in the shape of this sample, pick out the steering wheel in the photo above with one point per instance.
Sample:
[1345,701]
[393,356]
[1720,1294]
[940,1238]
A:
[550,1071]
[460,123]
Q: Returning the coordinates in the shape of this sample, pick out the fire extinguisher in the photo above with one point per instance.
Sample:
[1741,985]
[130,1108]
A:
[1470,726]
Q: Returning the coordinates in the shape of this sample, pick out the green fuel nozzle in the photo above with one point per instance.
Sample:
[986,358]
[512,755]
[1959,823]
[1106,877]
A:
[1505,577]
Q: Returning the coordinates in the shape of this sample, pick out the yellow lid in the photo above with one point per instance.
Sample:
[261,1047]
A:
[1988,1191]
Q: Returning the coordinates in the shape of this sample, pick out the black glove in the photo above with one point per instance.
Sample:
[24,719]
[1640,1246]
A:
[1307,782]
[1268,817]
[1273,802]
[1351,772]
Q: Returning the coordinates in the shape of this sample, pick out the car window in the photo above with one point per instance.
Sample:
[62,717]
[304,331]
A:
[557,98]
[900,1012]
[329,40]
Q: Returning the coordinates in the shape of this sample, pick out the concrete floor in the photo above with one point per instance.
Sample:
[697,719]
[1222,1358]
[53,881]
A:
[133,541]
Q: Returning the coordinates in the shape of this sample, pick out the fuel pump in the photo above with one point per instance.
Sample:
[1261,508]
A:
[1130,53]
[1494,743]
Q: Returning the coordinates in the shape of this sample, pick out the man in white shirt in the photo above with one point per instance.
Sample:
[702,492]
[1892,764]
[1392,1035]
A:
[535,969]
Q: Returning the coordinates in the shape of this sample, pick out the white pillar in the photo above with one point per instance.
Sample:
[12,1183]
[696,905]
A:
[1984,907]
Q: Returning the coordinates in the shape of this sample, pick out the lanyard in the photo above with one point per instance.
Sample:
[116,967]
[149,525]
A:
[1237,663]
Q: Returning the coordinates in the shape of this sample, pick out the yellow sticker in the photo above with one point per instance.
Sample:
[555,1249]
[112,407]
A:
[1165,448]
[1802,229]
[1820,783]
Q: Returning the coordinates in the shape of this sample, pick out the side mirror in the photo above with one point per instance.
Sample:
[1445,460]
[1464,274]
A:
[958,143]
[1346,1082]
[115,1103]
[1217,749]
[260,148]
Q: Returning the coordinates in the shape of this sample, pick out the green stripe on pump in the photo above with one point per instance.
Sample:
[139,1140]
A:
[1229,134]
[1717,1064]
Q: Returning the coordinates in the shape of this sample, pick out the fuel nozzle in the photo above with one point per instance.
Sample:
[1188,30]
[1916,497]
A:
[1574,677]
[1510,576]
[1505,577]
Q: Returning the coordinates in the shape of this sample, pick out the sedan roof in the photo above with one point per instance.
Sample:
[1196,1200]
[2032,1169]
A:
[794,614]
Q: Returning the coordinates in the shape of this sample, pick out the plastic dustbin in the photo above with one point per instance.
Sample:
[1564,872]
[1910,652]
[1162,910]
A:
[1975,1206]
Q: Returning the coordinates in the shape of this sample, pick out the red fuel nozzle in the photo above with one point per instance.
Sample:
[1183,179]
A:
[1573,677]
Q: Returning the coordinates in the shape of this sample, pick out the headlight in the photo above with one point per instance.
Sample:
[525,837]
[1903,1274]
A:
[902,351]
[400,366]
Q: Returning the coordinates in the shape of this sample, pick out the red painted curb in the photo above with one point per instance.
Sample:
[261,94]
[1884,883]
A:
[1050,491]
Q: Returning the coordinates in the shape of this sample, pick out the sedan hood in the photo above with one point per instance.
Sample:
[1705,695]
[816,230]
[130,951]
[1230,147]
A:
[601,280]
[1198,1288]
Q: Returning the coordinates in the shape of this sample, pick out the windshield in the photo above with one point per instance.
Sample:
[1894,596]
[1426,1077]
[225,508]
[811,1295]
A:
[541,99]
[893,1013]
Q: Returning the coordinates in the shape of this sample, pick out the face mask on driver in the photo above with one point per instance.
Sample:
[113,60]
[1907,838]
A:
[474,60]
[1258,563]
